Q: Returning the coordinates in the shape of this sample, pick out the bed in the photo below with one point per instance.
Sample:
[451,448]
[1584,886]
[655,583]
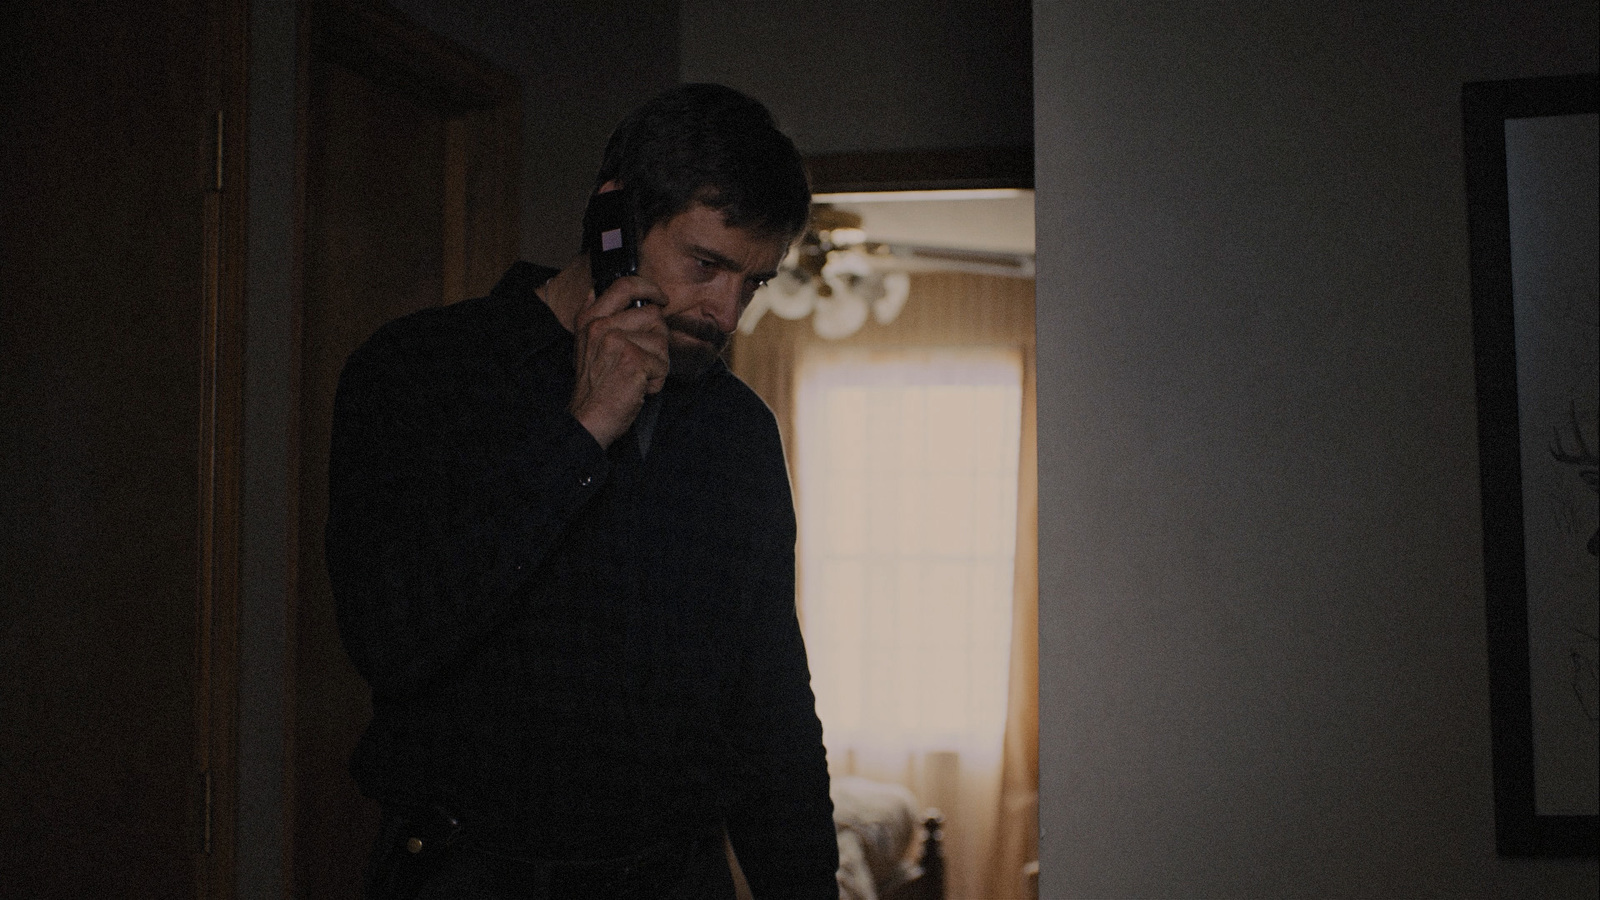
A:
[889,849]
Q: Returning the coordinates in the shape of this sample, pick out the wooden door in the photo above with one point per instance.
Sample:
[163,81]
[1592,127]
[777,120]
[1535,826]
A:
[409,155]
[119,337]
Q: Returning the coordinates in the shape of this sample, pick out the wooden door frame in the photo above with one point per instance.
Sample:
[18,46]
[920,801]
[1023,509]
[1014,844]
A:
[481,210]
[221,433]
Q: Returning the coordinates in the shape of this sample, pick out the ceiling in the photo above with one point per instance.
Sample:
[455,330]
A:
[975,220]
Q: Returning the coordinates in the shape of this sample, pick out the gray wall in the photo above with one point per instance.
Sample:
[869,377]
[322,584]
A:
[264,501]
[844,76]
[1262,630]
[582,66]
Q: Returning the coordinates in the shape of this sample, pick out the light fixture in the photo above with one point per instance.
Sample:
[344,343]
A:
[839,277]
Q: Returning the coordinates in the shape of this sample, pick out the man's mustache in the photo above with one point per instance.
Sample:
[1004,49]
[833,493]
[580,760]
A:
[699,329]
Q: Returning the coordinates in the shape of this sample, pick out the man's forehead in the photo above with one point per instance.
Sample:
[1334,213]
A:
[707,228]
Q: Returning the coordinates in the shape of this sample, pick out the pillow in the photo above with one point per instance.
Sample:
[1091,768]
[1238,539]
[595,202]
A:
[881,816]
[854,875]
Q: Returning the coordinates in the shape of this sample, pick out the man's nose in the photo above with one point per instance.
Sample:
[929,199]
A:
[726,304]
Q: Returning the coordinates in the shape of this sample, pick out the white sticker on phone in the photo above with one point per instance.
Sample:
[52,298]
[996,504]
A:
[610,240]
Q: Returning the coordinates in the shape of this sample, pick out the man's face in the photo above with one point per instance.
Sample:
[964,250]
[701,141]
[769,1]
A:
[708,272]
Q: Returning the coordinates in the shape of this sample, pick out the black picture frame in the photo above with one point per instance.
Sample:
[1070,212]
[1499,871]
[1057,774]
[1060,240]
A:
[1519,828]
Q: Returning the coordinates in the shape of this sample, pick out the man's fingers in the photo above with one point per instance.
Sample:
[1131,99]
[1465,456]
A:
[642,349]
[644,328]
[620,356]
[622,295]
[656,363]
[648,355]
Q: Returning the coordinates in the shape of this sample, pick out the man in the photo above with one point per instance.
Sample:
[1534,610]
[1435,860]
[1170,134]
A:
[561,542]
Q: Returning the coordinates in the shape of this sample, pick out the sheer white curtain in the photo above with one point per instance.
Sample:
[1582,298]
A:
[906,464]
[991,818]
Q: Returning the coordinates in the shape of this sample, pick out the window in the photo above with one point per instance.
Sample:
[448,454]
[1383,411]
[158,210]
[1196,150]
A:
[906,470]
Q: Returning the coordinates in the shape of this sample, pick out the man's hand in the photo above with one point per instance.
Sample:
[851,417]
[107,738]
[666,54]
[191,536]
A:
[620,355]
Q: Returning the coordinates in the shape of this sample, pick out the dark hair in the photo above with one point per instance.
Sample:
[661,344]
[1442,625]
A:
[709,144]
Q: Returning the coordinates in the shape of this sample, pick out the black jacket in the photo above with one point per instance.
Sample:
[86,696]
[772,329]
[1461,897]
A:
[580,652]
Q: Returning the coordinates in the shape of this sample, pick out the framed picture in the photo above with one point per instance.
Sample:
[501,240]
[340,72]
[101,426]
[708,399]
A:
[1533,198]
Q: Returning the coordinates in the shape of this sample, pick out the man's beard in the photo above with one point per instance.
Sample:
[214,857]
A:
[692,360]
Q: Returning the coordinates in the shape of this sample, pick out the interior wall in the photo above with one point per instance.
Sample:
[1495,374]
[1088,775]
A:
[843,76]
[582,66]
[264,502]
[1262,641]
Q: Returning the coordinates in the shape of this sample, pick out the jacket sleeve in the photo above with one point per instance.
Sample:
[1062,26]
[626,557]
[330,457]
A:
[430,535]
[781,827]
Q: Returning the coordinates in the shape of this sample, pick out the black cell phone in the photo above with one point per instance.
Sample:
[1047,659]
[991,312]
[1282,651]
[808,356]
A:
[612,238]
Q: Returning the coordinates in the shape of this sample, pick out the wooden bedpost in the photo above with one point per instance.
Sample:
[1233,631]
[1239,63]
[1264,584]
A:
[932,883]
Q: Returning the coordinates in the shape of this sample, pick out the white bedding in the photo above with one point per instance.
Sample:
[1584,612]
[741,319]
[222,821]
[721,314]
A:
[875,824]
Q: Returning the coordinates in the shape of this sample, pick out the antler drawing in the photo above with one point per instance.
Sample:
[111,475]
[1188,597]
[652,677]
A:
[1583,458]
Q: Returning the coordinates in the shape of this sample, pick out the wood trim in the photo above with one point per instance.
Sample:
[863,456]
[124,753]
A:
[922,170]
[205,633]
[493,161]
[304,31]
[454,260]
[375,39]
[221,431]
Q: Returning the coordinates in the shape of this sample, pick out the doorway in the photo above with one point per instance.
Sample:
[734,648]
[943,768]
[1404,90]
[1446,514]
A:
[408,153]
[936,256]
